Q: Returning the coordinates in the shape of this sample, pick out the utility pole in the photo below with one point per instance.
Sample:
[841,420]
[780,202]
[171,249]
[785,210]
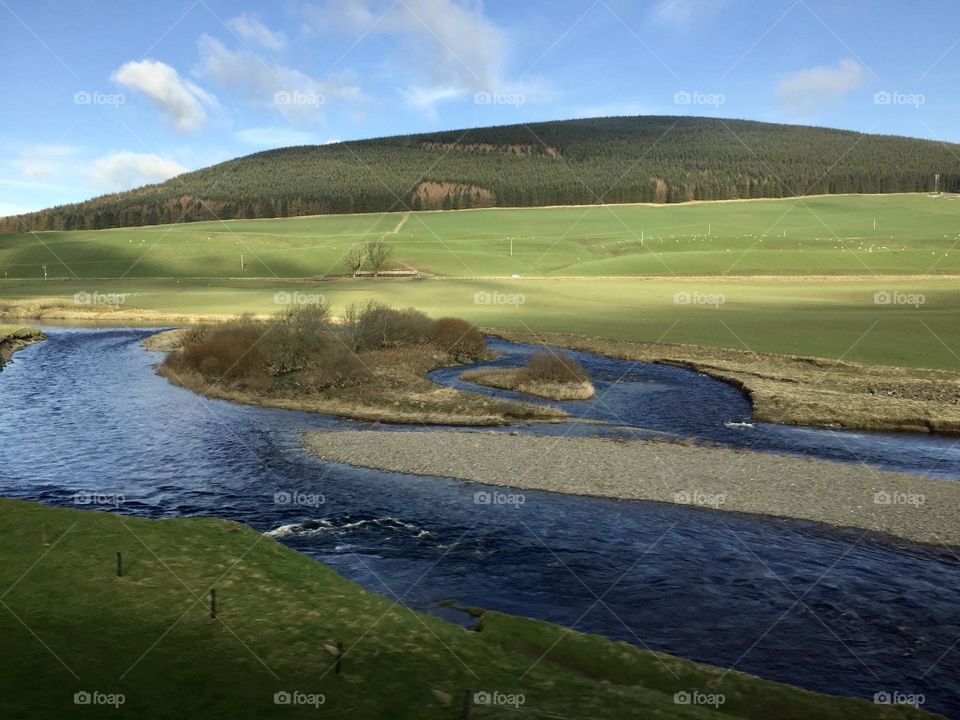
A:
[242,268]
[511,247]
[936,184]
[44,272]
[641,238]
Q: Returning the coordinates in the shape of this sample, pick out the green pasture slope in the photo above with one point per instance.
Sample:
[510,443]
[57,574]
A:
[819,236]
[70,625]
[571,262]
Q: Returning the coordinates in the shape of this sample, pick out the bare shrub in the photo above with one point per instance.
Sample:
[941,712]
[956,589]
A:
[555,367]
[374,325]
[296,337]
[459,338]
[227,352]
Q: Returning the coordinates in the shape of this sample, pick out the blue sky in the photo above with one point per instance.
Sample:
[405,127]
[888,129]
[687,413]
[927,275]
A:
[106,95]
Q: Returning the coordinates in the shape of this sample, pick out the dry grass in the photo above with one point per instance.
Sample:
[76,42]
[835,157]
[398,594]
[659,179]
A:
[517,380]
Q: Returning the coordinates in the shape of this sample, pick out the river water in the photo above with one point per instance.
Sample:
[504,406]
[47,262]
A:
[822,608]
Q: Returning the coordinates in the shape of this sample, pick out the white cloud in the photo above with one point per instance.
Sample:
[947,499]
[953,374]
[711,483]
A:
[125,170]
[182,101]
[684,12]
[252,30]
[805,92]
[449,49]
[276,137]
[296,95]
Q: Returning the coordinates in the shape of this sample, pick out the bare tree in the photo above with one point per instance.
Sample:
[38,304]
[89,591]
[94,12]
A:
[378,252]
[353,258]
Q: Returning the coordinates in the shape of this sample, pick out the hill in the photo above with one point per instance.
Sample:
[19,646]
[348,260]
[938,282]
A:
[607,160]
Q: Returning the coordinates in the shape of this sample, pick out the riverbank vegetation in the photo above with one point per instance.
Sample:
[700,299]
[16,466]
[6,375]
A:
[371,365]
[13,338]
[549,374]
[71,625]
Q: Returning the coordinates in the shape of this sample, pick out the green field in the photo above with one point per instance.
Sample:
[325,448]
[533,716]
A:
[830,318]
[825,235]
[571,263]
[70,625]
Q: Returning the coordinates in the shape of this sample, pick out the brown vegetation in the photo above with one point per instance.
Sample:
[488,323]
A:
[371,367]
[556,376]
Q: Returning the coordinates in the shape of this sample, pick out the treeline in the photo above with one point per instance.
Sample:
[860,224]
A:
[609,160]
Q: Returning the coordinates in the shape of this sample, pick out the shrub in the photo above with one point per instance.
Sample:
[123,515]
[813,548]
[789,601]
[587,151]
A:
[555,367]
[296,337]
[227,352]
[459,338]
[374,326]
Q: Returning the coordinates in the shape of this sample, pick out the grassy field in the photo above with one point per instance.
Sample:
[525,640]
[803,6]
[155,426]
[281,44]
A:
[70,625]
[803,276]
[886,234]
[835,318]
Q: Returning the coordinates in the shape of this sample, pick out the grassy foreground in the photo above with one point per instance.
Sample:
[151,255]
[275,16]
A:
[70,625]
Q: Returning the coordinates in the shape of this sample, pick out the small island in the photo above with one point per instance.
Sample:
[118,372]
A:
[548,374]
[369,365]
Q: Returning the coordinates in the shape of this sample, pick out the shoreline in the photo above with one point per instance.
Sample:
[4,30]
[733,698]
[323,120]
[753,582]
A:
[915,508]
[14,339]
[796,390]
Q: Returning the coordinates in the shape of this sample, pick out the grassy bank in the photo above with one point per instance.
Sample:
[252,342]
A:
[13,338]
[71,625]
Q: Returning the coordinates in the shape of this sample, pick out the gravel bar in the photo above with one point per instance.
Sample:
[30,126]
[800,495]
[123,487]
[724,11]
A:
[916,508]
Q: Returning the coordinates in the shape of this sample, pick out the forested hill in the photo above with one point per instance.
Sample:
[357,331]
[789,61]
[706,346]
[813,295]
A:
[611,160]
